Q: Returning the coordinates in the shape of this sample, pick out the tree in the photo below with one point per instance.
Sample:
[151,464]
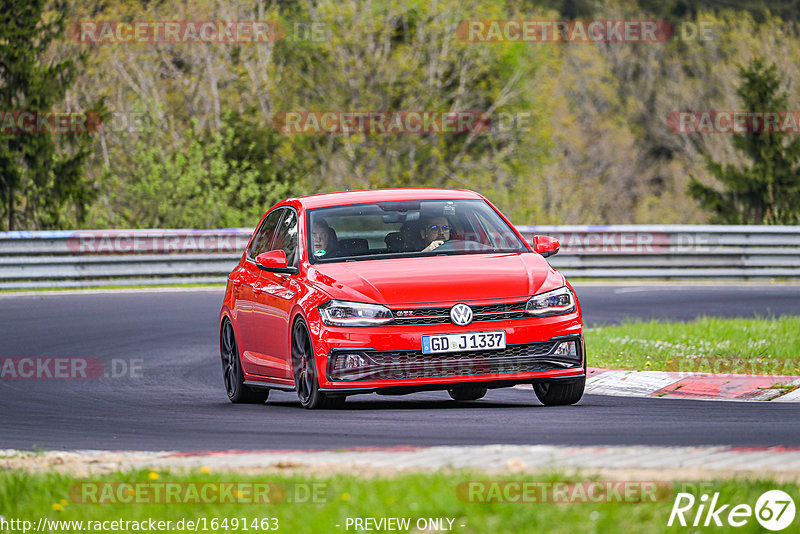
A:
[204,178]
[768,190]
[39,172]
[394,56]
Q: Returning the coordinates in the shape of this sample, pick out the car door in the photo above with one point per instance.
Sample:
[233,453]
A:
[274,297]
[248,277]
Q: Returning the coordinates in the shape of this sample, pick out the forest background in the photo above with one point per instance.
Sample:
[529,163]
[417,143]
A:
[579,131]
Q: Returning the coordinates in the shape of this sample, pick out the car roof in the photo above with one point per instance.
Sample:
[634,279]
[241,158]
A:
[384,195]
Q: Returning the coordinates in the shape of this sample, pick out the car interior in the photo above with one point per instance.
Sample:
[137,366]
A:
[394,228]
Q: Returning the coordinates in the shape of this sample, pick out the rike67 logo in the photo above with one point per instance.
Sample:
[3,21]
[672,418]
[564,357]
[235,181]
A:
[774,510]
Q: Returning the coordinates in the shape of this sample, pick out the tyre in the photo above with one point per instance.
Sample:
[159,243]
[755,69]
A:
[232,373]
[304,369]
[467,394]
[560,393]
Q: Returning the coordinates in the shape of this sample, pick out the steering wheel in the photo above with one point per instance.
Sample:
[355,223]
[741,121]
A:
[460,244]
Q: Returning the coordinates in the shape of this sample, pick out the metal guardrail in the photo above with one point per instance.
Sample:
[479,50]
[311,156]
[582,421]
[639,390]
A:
[148,257]
[675,251]
[118,257]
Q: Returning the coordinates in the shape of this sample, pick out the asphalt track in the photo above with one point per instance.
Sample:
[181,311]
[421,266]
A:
[178,402]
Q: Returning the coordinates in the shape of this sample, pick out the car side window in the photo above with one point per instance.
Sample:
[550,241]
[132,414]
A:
[286,238]
[265,235]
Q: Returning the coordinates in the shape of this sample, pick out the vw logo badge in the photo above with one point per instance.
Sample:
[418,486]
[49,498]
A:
[461,314]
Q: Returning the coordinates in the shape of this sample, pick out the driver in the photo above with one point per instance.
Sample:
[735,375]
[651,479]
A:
[435,231]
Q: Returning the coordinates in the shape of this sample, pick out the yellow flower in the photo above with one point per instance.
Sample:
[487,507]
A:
[669,361]
[239,495]
[345,496]
[205,470]
[153,475]
[648,364]
[57,507]
[64,502]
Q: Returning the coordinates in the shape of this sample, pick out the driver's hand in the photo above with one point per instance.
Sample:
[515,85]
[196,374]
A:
[433,245]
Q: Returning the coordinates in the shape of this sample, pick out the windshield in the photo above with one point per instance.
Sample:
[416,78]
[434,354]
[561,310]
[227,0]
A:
[408,228]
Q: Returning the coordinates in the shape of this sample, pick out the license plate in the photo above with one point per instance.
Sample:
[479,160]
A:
[463,342]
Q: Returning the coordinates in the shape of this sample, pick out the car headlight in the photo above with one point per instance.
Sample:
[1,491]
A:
[341,313]
[556,302]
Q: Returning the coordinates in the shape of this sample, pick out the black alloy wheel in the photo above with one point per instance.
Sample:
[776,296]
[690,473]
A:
[304,370]
[232,373]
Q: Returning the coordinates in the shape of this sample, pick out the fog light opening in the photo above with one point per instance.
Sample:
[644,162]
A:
[566,348]
[350,366]
[352,361]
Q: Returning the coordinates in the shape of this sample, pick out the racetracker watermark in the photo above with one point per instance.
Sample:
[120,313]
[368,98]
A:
[612,242]
[123,242]
[198,493]
[735,365]
[580,31]
[49,122]
[130,122]
[177,32]
[734,122]
[69,368]
[381,122]
[597,491]
[602,240]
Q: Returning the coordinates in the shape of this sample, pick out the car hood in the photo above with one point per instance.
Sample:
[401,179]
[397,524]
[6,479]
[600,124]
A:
[436,279]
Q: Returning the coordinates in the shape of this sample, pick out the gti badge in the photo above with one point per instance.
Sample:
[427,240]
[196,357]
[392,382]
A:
[461,314]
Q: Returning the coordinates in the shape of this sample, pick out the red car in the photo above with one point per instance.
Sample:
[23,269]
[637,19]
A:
[397,291]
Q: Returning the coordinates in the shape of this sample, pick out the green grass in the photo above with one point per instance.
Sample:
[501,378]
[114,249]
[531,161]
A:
[31,496]
[740,346]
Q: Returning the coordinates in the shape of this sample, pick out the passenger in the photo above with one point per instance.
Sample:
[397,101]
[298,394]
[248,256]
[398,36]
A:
[323,239]
[435,231]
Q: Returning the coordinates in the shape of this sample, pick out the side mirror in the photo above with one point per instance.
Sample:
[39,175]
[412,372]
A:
[545,245]
[274,261]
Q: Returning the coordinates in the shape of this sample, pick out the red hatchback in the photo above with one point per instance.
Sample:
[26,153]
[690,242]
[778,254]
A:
[396,291]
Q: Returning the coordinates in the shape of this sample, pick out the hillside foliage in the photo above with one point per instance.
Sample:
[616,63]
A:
[578,134]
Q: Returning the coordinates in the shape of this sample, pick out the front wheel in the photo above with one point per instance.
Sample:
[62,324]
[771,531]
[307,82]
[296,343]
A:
[232,373]
[304,369]
[560,393]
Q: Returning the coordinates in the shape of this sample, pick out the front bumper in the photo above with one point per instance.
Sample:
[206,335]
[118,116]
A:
[416,387]
[379,358]
[363,365]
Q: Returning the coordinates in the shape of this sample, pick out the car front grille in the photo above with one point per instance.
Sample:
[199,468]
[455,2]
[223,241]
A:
[441,315]
[399,365]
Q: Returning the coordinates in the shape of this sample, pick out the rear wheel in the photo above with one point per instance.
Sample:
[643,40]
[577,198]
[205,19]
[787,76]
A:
[467,394]
[232,372]
[305,372]
[560,393]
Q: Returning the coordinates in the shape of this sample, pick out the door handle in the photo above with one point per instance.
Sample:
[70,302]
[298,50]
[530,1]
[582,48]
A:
[236,283]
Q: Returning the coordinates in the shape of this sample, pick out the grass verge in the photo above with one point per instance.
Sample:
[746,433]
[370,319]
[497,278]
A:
[709,344]
[319,504]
